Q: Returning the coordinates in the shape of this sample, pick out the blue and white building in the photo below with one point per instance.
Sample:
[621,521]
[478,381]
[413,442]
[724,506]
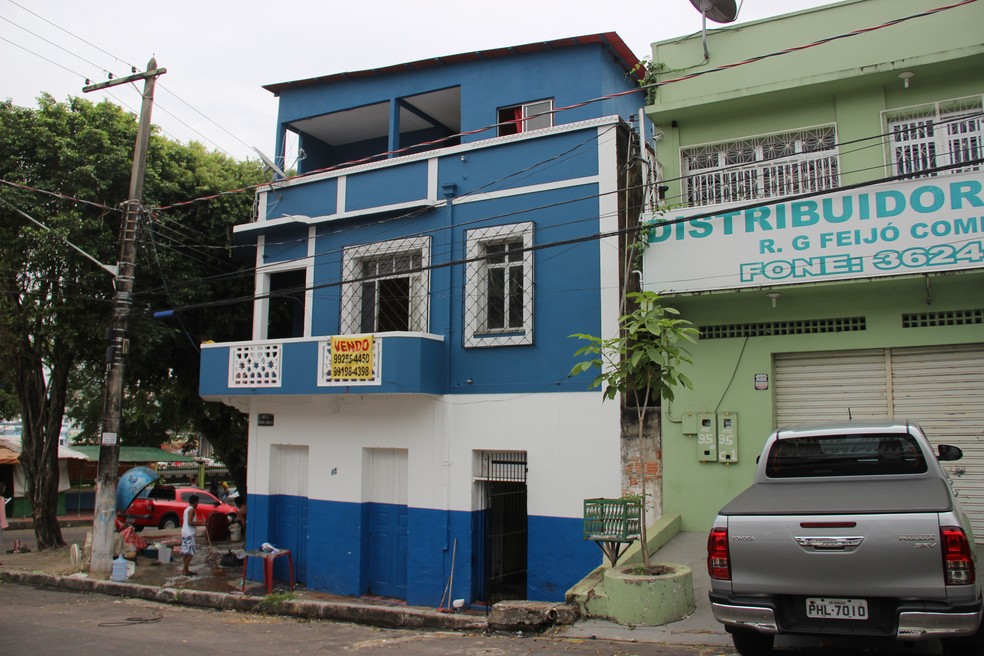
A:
[452,223]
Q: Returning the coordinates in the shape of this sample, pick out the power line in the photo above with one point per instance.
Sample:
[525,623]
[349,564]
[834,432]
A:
[48,41]
[50,61]
[132,68]
[556,110]
[89,43]
[556,244]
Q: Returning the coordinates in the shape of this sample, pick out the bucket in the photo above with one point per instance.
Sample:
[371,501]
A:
[235,532]
[120,568]
[163,554]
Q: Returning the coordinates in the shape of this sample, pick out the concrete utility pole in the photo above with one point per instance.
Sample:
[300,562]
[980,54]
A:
[103,523]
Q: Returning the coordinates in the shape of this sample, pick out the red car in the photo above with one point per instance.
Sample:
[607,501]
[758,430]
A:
[163,506]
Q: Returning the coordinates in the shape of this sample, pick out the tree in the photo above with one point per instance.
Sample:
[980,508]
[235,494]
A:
[67,166]
[642,363]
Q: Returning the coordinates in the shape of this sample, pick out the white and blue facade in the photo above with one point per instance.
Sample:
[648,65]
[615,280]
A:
[417,283]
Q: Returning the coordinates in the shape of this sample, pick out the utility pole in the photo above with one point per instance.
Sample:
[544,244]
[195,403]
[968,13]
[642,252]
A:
[103,523]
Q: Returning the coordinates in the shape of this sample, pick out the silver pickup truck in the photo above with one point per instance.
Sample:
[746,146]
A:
[848,530]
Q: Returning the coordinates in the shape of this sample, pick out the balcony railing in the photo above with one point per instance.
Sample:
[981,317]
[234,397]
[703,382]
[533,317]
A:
[770,179]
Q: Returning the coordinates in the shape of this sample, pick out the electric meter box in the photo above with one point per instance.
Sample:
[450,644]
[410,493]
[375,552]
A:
[707,438]
[727,437]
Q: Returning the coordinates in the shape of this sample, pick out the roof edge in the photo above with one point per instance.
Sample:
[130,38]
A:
[611,41]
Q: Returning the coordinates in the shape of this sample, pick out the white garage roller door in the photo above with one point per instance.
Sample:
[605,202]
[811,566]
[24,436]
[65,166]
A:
[941,387]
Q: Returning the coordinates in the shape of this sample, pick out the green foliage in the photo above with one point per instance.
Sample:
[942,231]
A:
[56,304]
[644,360]
[651,72]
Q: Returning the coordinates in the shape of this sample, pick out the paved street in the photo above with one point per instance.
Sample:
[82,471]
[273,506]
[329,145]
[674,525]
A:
[55,622]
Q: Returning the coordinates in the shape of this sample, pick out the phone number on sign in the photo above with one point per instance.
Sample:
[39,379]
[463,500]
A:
[352,372]
[350,358]
[919,257]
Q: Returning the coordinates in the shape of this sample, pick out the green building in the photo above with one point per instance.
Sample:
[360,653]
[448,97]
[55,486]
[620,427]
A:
[823,226]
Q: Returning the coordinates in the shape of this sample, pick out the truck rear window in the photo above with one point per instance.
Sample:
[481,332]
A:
[845,455]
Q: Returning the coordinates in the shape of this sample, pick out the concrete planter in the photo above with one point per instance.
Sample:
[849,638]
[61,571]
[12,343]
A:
[649,600]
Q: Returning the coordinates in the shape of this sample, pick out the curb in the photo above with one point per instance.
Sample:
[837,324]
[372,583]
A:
[382,616]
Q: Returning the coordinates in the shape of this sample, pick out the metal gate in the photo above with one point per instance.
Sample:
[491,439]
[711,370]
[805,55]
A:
[504,542]
[941,387]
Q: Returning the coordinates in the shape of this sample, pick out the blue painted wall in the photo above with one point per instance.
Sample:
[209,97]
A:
[570,76]
[319,196]
[558,555]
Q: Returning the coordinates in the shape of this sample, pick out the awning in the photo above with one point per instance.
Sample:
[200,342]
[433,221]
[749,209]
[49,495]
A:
[10,450]
[135,454]
[7,455]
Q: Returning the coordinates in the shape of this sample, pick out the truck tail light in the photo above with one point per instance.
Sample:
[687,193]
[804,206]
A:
[958,559]
[718,558]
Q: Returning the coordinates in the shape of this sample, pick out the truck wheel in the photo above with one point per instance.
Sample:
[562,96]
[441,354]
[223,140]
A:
[752,643]
[169,521]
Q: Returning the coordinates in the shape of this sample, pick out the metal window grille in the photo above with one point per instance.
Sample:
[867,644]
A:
[386,287]
[944,318]
[761,167]
[506,466]
[499,286]
[774,328]
[943,133]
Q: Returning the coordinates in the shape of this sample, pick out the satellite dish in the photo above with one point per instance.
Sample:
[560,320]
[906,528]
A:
[269,163]
[719,11]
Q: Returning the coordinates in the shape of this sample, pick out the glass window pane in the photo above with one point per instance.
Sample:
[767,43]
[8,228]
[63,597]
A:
[516,297]
[495,311]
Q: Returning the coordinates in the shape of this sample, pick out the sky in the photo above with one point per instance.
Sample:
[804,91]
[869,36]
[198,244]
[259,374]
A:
[219,53]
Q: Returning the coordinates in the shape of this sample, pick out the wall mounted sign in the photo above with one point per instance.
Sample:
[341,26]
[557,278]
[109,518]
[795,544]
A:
[915,226]
[351,357]
[761,381]
[264,419]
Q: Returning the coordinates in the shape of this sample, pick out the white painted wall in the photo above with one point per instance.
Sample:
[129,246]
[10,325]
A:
[571,440]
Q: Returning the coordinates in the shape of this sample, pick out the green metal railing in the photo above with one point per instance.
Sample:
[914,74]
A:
[612,524]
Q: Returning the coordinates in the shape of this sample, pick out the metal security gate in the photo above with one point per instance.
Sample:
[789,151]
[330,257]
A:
[504,542]
[941,387]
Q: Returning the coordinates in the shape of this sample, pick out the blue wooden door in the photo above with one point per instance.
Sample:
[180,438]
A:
[387,526]
[289,482]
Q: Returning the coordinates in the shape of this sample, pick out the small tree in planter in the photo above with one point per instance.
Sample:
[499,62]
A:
[641,363]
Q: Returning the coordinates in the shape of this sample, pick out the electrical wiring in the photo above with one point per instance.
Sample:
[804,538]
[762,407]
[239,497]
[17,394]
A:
[207,118]
[642,88]
[167,292]
[56,194]
[39,56]
[133,68]
[483,220]
[560,243]
[48,41]
[158,105]
[553,159]
[69,33]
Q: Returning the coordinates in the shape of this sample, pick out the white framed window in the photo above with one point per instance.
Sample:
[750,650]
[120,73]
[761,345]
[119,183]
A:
[525,117]
[386,286]
[768,166]
[499,286]
[922,138]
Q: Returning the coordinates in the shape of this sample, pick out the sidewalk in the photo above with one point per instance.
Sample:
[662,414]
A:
[218,587]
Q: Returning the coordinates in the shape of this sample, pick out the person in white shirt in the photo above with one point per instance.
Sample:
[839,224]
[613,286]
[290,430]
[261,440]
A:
[188,528]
